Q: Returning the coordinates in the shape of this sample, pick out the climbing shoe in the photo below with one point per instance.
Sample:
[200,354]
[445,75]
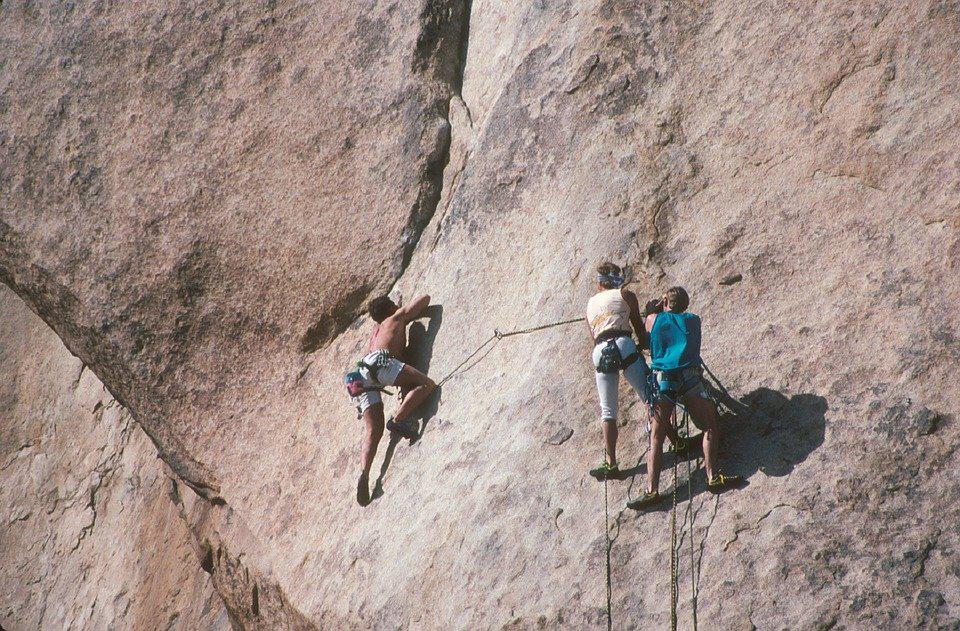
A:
[605,471]
[645,501]
[404,429]
[363,489]
[723,481]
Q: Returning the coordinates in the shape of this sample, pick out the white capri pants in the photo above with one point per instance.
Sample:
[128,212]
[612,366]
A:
[608,383]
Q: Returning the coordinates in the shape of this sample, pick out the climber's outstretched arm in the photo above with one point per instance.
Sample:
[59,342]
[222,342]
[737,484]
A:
[412,311]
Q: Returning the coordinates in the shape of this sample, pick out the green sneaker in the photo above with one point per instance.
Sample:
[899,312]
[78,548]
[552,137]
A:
[723,481]
[647,500]
[605,471]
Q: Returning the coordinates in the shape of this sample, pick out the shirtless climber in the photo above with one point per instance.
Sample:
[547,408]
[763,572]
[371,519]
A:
[381,367]
[613,316]
[677,368]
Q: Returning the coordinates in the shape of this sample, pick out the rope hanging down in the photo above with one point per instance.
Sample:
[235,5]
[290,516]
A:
[688,518]
[606,530]
[693,579]
[674,556]
[673,543]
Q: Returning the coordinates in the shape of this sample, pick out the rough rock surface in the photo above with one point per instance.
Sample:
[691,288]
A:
[90,538]
[198,201]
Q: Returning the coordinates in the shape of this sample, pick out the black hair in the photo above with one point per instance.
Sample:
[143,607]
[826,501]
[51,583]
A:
[381,308]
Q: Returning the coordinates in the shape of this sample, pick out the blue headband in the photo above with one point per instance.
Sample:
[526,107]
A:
[614,280]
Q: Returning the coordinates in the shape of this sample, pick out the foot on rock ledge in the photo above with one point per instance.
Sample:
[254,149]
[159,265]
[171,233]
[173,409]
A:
[722,481]
[404,429]
[647,501]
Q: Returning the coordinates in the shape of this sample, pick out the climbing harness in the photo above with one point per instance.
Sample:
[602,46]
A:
[611,360]
[357,384]
[670,383]
[380,360]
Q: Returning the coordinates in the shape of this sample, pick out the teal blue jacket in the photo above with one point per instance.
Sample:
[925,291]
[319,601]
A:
[675,341]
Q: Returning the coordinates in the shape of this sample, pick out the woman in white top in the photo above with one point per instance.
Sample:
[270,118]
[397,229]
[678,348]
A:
[613,315]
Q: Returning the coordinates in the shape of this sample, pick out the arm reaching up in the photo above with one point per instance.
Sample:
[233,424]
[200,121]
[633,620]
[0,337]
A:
[412,311]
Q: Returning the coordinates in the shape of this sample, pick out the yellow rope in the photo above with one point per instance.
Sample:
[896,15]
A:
[673,545]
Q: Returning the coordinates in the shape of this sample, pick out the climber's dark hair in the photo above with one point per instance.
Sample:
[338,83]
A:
[677,299]
[381,308]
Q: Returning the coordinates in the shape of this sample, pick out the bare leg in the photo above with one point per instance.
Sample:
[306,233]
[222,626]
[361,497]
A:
[418,387]
[658,431]
[373,418]
[610,432]
[705,412]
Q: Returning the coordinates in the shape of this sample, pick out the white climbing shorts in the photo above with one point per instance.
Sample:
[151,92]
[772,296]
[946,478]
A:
[387,368]
[608,384]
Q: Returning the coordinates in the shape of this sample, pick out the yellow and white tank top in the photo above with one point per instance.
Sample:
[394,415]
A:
[608,311]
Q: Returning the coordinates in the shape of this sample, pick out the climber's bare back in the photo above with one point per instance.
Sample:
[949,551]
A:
[390,335]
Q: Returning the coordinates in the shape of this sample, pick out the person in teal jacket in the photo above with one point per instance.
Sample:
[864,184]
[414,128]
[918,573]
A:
[675,362]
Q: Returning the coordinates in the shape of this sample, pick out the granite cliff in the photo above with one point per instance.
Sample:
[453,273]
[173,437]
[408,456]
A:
[198,199]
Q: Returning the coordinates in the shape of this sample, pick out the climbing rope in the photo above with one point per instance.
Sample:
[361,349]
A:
[537,328]
[673,543]
[606,531]
[688,518]
[496,337]
[693,582]
[492,341]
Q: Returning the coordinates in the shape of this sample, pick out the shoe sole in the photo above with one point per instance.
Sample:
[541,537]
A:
[406,433]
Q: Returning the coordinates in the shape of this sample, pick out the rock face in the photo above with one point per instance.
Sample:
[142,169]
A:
[198,201]
[90,537]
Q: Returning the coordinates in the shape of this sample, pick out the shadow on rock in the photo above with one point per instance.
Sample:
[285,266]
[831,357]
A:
[419,354]
[764,431]
[774,434]
[377,492]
